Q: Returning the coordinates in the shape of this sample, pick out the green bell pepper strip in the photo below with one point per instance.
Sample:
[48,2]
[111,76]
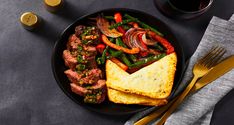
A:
[126,27]
[125,60]
[157,46]
[109,17]
[142,24]
[121,23]
[102,59]
[146,60]
[114,53]
[123,55]
[120,43]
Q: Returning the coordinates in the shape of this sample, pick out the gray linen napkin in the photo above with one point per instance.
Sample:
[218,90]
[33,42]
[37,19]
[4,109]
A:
[197,108]
[232,18]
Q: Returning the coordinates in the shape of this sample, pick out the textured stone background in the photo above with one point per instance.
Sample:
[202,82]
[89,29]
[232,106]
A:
[29,94]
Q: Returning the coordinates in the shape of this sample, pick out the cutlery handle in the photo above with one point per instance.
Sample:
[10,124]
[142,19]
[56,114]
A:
[178,101]
[155,114]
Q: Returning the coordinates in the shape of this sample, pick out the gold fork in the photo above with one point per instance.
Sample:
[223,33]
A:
[160,111]
[202,67]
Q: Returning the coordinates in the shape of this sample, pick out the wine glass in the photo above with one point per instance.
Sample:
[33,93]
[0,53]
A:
[183,9]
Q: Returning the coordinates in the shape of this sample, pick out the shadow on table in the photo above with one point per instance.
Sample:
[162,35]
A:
[69,12]
[46,31]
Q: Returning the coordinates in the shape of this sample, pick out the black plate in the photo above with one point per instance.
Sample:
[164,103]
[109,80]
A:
[107,107]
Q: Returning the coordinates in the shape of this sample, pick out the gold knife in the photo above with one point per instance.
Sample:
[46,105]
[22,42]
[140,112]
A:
[217,71]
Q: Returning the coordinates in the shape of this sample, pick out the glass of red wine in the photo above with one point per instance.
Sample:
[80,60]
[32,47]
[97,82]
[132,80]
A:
[183,9]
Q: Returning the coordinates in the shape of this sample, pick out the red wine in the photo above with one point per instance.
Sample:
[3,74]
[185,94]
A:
[189,5]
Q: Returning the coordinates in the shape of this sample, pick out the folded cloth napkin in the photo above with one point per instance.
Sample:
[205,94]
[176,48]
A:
[197,108]
[232,18]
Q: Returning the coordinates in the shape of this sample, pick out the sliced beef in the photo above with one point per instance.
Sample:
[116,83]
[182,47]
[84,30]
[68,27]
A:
[70,60]
[100,84]
[91,62]
[73,76]
[80,57]
[91,76]
[98,93]
[73,42]
[92,94]
[87,77]
[102,97]
[79,30]
[78,89]
[95,98]
[90,51]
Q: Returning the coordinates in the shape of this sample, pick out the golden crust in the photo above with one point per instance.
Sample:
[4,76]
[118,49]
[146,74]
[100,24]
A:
[154,81]
[127,98]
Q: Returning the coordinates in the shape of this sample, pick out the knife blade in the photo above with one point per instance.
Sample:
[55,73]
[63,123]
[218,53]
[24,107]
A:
[217,71]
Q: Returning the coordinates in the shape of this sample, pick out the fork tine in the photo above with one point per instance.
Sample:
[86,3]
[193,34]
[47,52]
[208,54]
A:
[217,58]
[207,55]
[210,55]
[214,57]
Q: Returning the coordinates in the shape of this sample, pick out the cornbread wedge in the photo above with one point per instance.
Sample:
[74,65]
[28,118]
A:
[153,81]
[127,98]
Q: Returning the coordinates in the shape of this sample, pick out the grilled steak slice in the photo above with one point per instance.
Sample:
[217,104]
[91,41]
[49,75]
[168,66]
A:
[78,89]
[100,84]
[97,93]
[87,77]
[91,76]
[79,30]
[73,42]
[69,60]
[96,98]
[91,62]
[92,94]
[73,76]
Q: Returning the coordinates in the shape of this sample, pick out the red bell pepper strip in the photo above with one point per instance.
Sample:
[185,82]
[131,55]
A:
[121,29]
[100,47]
[163,41]
[118,18]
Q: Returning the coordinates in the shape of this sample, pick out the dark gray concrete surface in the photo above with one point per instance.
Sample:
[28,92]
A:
[29,94]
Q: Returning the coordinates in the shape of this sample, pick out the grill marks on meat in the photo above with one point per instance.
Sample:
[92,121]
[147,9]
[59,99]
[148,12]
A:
[87,82]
